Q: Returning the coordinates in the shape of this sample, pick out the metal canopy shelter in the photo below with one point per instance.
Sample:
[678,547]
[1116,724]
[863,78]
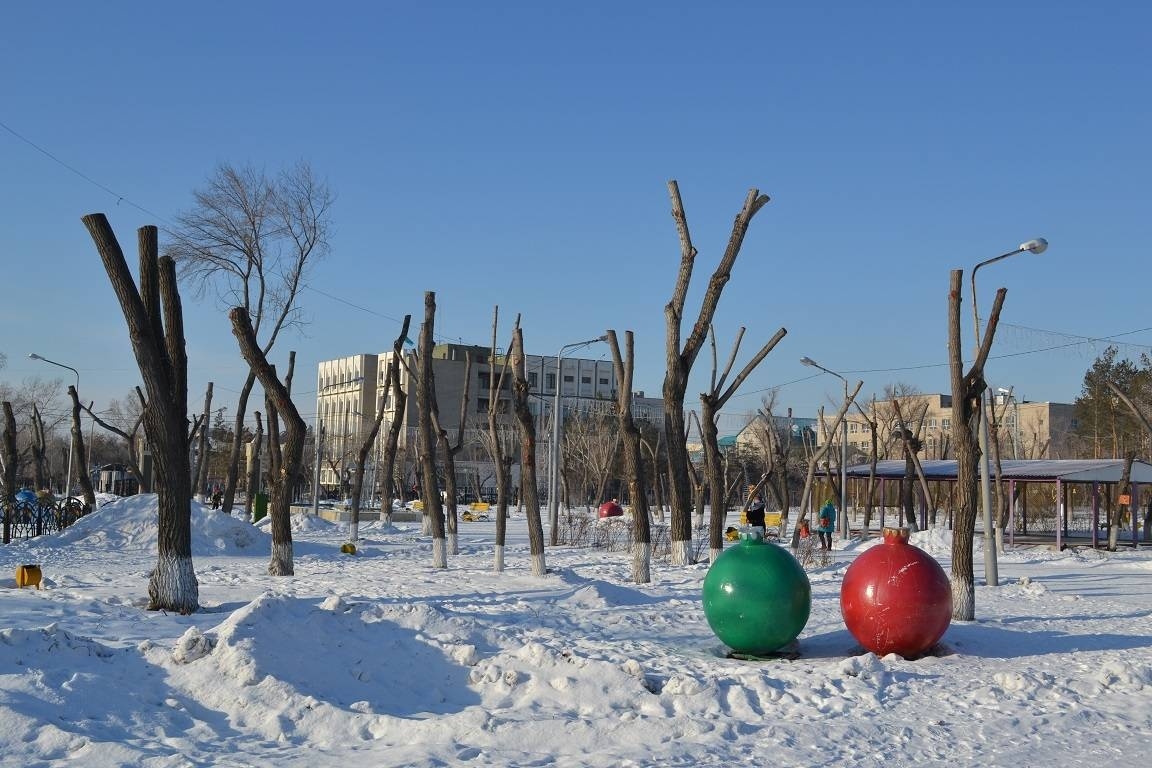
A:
[1037,470]
[1062,472]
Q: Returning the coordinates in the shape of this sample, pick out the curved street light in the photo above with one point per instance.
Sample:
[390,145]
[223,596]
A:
[991,574]
[71,434]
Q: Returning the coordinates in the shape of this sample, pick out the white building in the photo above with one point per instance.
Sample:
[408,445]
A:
[350,390]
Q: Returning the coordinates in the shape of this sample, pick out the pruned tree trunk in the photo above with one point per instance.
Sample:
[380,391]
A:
[450,450]
[82,475]
[967,389]
[521,392]
[425,441]
[253,480]
[711,403]
[201,471]
[39,451]
[1123,490]
[232,474]
[156,329]
[11,469]
[496,384]
[680,359]
[287,459]
[399,404]
[624,366]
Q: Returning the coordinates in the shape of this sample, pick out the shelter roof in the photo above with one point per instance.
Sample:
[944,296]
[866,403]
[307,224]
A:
[1036,470]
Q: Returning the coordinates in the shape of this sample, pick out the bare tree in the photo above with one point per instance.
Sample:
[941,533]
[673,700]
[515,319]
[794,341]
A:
[129,436]
[967,390]
[156,328]
[1114,528]
[653,448]
[285,460]
[624,365]
[521,391]
[772,444]
[680,359]
[869,500]
[711,403]
[912,444]
[588,449]
[254,239]
[816,457]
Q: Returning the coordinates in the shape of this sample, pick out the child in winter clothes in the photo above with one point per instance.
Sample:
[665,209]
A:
[826,524]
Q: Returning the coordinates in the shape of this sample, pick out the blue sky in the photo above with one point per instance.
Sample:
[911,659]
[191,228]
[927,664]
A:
[517,153]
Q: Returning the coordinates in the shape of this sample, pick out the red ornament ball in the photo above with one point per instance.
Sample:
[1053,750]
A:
[611,509]
[896,598]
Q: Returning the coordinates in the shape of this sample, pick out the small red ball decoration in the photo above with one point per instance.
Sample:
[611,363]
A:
[896,598]
[611,509]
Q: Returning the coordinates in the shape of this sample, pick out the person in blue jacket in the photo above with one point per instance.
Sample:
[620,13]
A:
[826,524]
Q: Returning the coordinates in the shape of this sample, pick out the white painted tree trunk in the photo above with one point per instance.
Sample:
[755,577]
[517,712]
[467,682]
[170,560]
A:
[498,559]
[538,566]
[453,543]
[680,553]
[714,553]
[641,563]
[963,599]
[173,583]
[354,532]
[425,524]
[281,562]
[439,553]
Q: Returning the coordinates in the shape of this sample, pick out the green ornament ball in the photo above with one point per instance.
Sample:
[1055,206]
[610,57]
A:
[757,598]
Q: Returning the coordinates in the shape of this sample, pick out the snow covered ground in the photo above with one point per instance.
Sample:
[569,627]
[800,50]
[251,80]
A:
[379,660]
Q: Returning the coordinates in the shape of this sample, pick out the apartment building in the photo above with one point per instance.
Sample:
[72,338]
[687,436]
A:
[1024,429]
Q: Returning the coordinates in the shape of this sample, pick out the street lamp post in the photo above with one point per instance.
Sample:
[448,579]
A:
[843,450]
[991,575]
[71,436]
[554,459]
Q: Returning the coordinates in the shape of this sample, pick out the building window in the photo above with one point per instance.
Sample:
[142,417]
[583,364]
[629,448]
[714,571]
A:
[483,403]
[604,382]
[568,379]
[946,423]
[550,380]
[585,379]
[532,379]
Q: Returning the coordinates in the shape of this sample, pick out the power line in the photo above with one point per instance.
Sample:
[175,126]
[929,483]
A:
[119,198]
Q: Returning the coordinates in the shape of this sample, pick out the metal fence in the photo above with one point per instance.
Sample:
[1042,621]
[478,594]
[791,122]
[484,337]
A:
[25,519]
